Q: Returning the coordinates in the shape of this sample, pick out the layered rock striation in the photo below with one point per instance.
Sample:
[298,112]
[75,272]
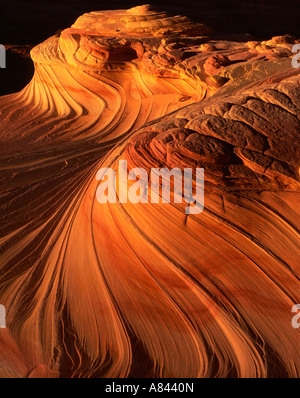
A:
[124,289]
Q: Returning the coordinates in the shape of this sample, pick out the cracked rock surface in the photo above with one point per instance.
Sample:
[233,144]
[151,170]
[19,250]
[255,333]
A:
[142,289]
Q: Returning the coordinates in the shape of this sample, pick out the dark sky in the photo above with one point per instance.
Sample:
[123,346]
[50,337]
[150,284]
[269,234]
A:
[32,21]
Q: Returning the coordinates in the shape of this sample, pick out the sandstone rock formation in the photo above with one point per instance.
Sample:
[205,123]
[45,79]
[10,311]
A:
[123,289]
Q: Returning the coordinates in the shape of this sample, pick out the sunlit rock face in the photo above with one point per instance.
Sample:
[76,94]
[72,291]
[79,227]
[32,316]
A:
[123,289]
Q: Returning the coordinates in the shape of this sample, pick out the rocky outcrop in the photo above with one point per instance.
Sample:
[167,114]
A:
[123,289]
[247,142]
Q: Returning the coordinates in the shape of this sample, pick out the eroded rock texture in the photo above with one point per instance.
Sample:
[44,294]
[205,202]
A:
[116,290]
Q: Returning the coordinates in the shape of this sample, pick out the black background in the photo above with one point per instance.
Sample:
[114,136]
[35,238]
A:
[32,21]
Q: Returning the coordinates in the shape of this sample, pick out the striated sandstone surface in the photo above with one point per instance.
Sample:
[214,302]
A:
[117,290]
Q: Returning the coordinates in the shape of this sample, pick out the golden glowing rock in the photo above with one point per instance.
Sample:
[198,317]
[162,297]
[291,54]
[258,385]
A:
[123,289]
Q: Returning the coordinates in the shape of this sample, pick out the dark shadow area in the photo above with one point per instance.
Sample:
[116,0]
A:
[18,72]
[32,21]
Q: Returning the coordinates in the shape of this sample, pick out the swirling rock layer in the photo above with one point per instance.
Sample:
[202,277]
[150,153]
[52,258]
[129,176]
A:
[117,290]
